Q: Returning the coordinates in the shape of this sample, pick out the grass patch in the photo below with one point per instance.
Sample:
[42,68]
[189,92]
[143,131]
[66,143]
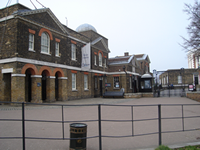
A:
[163,147]
[197,147]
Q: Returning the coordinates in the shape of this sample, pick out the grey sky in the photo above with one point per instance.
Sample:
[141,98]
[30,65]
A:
[152,27]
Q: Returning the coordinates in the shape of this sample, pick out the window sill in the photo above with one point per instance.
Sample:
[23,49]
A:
[74,90]
[73,59]
[45,53]
[31,50]
[57,55]
[86,90]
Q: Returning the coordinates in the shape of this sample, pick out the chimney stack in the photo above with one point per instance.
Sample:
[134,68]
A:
[126,54]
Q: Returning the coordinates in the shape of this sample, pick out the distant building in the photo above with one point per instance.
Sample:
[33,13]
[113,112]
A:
[127,70]
[179,77]
[193,60]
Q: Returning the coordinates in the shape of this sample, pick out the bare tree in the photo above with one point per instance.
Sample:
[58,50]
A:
[193,43]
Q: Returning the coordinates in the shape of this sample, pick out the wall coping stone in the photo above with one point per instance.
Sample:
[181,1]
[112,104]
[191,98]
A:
[18,75]
[64,78]
[36,76]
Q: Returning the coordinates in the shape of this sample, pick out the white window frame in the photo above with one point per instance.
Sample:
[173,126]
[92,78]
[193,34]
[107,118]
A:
[147,69]
[73,81]
[85,82]
[167,79]
[198,62]
[105,63]
[179,79]
[57,50]
[100,59]
[45,43]
[73,51]
[31,42]
[95,60]
[115,80]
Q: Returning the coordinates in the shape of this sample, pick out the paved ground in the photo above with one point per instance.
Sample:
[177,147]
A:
[78,113]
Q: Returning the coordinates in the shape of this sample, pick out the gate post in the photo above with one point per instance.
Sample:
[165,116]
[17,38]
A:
[159,125]
[99,114]
[23,127]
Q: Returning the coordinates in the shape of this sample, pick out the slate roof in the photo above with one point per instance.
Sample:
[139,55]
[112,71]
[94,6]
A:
[142,57]
[120,60]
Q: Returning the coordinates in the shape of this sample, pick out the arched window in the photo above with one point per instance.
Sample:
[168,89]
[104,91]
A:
[100,59]
[45,43]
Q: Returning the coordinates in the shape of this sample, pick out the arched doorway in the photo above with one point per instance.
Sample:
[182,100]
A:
[58,72]
[28,85]
[44,85]
[56,87]
[7,86]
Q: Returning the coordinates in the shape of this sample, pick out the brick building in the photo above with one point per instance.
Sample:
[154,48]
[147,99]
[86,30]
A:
[43,60]
[179,77]
[127,70]
[99,58]
[144,63]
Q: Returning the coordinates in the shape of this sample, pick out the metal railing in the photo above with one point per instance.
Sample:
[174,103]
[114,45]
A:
[159,118]
[170,92]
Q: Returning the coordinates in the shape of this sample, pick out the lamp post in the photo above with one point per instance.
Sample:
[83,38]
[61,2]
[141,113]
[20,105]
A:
[155,87]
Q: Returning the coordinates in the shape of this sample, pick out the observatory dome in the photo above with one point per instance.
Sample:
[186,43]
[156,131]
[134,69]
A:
[85,27]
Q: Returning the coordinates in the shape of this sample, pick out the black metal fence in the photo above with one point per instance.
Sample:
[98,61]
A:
[168,91]
[159,120]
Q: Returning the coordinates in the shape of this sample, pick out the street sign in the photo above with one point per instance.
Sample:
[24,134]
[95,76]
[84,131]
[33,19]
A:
[107,85]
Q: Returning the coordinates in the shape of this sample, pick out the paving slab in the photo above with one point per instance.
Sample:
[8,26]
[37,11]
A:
[108,112]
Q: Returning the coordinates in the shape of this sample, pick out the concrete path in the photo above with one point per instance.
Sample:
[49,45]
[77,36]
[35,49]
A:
[79,113]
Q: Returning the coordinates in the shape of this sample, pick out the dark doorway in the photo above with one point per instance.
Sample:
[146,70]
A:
[101,87]
[28,85]
[196,80]
[56,87]
[95,86]
[7,86]
[135,86]
[44,85]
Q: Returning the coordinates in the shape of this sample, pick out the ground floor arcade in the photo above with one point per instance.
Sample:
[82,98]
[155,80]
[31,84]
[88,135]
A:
[25,82]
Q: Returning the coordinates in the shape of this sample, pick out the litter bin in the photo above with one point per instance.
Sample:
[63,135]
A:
[78,130]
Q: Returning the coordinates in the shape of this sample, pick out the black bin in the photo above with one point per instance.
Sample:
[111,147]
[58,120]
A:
[78,130]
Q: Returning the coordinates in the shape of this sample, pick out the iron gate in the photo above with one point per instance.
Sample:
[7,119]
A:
[168,91]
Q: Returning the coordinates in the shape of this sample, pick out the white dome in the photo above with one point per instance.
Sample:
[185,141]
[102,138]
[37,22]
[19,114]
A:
[146,76]
[85,27]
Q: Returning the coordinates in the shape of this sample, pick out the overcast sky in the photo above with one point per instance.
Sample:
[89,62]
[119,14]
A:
[151,27]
